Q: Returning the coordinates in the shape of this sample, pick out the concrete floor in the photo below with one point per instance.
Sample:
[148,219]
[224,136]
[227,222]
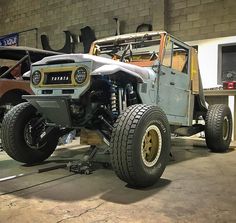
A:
[197,186]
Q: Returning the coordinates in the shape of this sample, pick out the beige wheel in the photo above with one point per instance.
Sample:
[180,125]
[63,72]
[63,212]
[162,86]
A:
[151,146]
[140,145]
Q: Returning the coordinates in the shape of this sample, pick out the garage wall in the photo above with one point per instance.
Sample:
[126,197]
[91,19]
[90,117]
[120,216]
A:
[208,58]
[187,19]
[54,16]
[201,19]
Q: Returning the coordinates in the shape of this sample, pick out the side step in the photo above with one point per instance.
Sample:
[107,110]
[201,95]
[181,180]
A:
[190,130]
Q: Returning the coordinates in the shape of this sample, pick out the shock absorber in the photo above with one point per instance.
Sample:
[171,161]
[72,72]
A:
[131,95]
[113,99]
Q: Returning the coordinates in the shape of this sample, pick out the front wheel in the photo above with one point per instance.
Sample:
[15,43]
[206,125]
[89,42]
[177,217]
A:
[218,128]
[140,145]
[25,137]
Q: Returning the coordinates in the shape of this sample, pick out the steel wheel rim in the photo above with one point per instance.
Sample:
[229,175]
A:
[151,146]
[27,136]
[225,128]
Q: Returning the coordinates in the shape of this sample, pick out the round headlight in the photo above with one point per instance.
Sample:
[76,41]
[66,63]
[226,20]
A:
[81,75]
[36,77]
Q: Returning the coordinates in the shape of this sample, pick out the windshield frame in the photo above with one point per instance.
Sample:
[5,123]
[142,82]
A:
[129,43]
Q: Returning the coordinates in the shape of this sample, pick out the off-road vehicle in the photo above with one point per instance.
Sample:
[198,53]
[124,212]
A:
[127,95]
[16,59]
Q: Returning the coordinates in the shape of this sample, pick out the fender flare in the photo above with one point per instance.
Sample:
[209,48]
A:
[114,70]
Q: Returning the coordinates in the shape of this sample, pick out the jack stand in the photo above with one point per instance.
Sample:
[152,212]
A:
[84,166]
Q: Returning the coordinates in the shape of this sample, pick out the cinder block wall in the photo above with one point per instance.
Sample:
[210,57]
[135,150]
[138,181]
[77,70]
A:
[201,19]
[187,19]
[54,16]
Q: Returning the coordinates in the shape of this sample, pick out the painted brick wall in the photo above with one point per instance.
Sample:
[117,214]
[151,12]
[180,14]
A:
[54,16]
[201,19]
[187,19]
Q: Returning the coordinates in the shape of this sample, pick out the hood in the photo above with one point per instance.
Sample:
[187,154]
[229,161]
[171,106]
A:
[97,62]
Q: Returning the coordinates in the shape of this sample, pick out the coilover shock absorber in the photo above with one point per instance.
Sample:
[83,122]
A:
[113,99]
[131,95]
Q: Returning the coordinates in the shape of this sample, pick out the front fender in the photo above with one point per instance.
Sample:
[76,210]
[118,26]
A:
[7,85]
[114,70]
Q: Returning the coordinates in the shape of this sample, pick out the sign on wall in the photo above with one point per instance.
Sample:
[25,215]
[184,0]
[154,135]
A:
[9,40]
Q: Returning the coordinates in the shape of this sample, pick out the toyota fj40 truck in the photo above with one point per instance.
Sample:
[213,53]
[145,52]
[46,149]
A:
[128,95]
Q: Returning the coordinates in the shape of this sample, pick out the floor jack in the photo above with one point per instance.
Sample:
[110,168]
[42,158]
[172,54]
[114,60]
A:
[83,166]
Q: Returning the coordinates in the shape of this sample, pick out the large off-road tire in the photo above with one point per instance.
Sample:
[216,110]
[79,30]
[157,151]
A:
[20,126]
[218,128]
[140,145]
[8,102]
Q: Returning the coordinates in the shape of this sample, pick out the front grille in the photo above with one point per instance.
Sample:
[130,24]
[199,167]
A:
[47,91]
[60,77]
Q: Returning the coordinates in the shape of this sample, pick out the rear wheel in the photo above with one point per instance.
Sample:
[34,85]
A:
[25,137]
[140,145]
[218,129]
